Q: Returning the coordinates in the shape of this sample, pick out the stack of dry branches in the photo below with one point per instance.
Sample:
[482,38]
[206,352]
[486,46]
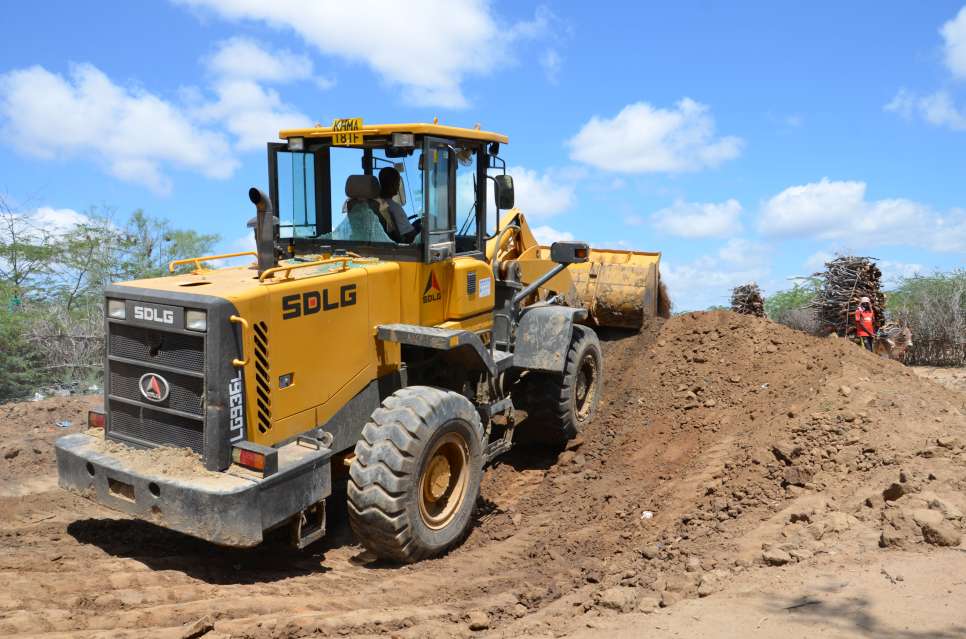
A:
[747,300]
[847,279]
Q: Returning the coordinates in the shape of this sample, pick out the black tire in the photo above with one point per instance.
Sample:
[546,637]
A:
[406,502]
[558,405]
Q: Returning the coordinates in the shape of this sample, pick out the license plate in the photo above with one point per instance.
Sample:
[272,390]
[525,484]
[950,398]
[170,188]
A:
[347,131]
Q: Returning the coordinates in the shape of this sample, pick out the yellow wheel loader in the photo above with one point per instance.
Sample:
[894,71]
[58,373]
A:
[383,337]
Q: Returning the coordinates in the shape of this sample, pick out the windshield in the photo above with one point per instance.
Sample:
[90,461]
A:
[377,197]
[323,190]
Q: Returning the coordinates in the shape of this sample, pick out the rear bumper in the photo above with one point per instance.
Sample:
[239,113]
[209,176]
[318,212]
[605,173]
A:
[223,508]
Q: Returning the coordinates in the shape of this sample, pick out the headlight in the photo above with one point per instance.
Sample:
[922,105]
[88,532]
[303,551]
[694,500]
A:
[403,140]
[196,320]
[115,309]
[296,144]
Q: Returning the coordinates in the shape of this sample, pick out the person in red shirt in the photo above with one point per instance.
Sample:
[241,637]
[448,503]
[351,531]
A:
[865,322]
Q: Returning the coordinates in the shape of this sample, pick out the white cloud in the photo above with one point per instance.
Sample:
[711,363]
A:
[904,103]
[42,222]
[708,280]
[936,108]
[547,235]
[424,47]
[551,61]
[133,133]
[742,253]
[695,219]
[633,219]
[57,221]
[838,210]
[250,112]
[821,208]
[241,58]
[954,35]
[140,137]
[816,261]
[240,244]
[542,194]
[894,272]
[643,139]
[939,108]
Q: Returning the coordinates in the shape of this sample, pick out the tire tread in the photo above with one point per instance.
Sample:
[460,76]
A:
[385,465]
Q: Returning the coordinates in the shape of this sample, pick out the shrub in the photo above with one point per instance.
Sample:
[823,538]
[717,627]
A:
[789,307]
[934,308]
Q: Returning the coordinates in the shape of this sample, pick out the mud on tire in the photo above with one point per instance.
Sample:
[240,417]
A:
[557,405]
[416,477]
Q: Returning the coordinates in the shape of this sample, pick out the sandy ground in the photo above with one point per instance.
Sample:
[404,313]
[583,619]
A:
[898,596]
[766,460]
[954,378]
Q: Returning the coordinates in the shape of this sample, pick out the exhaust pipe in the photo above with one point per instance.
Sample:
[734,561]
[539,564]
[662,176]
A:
[266,229]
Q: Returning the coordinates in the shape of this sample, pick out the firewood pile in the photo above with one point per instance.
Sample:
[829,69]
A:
[747,300]
[846,280]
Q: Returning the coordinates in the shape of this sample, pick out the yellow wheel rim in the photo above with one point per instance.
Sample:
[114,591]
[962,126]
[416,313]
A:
[585,386]
[442,486]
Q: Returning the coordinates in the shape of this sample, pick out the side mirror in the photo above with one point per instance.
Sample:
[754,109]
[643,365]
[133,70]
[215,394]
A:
[504,191]
[569,252]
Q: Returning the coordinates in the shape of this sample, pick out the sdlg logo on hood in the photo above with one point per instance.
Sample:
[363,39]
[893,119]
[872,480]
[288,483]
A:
[432,292]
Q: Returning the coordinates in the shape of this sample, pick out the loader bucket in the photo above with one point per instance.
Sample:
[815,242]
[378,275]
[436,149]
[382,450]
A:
[618,288]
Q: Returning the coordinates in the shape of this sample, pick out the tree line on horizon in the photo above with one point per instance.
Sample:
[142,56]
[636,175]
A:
[51,291]
[932,306]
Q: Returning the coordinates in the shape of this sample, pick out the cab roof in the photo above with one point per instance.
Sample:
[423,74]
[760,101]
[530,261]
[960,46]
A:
[419,128]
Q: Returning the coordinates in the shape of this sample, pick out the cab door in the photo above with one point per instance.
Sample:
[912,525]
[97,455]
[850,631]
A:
[439,200]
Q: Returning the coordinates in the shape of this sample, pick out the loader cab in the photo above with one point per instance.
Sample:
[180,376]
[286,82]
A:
[334,191]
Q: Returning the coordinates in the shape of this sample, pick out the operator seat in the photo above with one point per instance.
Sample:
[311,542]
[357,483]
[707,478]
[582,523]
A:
[362,222]
[391,213]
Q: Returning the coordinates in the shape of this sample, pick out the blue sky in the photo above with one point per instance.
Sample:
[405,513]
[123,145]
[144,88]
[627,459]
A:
[745,142]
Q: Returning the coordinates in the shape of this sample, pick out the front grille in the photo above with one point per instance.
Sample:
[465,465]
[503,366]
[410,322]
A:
[151,345]
[154,427]
[186,393]
[178,358]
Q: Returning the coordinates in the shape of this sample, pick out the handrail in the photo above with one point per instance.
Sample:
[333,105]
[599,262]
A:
[291,267]
[237,319]
[198,260]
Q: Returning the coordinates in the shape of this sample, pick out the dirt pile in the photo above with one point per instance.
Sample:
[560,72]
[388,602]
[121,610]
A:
[730,443]
[726,446]
[30,428]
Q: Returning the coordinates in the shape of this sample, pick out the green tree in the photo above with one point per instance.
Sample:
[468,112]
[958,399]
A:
[26,251]
[790,307]
[20,363]
[151,244]
[51,290]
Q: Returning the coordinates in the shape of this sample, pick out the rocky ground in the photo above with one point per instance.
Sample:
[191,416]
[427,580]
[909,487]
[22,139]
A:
[954,378]
[737,471]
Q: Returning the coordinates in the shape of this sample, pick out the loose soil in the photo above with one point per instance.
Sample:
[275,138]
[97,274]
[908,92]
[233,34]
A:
[734,465]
